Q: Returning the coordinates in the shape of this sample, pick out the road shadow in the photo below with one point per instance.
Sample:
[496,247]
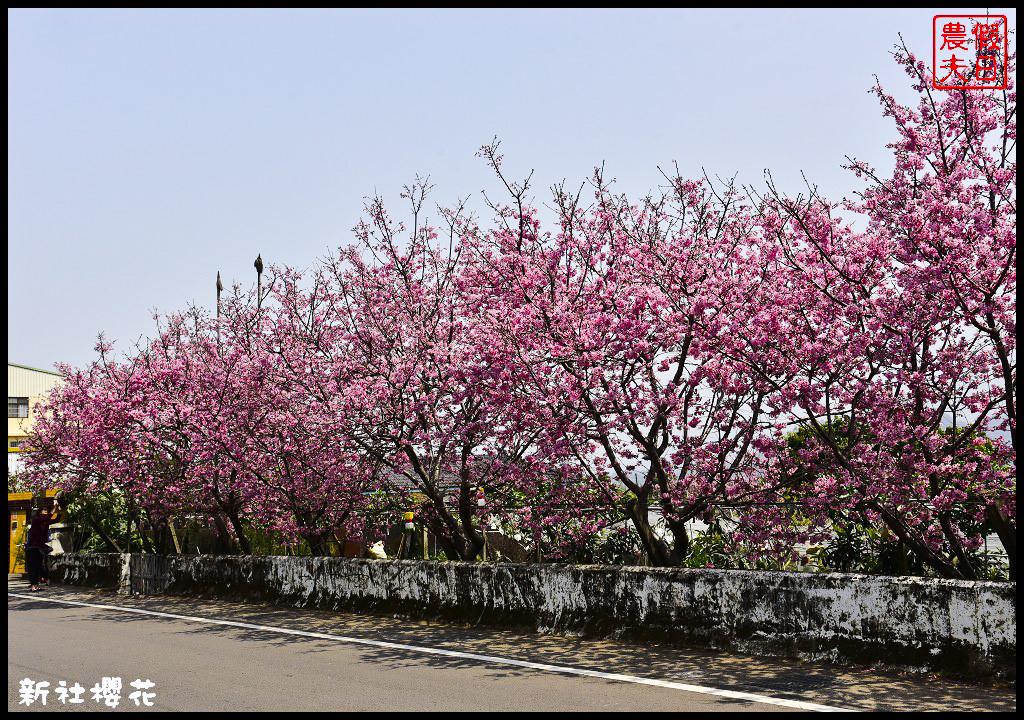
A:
[838,686]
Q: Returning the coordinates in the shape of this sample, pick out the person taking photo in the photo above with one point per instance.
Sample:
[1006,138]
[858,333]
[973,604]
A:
[36,548]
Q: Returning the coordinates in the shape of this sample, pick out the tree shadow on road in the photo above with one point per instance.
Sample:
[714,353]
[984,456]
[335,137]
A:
[809,682]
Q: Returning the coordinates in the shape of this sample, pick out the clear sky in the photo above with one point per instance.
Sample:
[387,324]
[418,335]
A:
[149,149]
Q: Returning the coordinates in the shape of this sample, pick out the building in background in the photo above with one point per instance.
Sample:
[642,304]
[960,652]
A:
[26,386]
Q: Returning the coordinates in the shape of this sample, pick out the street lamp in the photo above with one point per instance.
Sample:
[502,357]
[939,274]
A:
[220,289]
[259,280]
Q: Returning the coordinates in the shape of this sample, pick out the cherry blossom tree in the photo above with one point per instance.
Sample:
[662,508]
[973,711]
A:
[894,345]
[617,321]
[404,375]
[638,358]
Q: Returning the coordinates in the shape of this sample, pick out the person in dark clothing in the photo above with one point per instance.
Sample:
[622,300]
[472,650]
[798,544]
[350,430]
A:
[35,543]
[44,568]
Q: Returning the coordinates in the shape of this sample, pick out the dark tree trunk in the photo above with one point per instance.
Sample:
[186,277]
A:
[223,544]
[98,529]
[1007,536]
[239,528]
[657,551]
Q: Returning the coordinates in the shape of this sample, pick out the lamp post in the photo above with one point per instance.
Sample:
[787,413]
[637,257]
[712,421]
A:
[259,280]
[220,289]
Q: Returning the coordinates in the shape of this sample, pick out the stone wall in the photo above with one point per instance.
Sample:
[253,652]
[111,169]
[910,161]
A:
[98,570]
[965,628]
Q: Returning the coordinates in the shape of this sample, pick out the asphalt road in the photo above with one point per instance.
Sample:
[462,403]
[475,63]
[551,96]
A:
[214,655]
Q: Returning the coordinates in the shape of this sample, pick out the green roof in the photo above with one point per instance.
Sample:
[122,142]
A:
[26,367]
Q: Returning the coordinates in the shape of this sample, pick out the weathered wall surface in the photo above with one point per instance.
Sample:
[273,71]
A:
[99,570]
[967,628]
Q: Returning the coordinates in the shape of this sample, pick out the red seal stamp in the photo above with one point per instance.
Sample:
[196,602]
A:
[969,52]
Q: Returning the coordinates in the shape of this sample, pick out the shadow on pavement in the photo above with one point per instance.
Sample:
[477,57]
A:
[810,682]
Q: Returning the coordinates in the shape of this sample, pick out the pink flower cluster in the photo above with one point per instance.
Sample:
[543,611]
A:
[640,358]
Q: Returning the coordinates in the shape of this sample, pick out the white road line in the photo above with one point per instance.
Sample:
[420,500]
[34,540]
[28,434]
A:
[732,694]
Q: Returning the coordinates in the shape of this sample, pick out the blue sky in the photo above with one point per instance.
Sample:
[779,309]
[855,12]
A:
[149,149]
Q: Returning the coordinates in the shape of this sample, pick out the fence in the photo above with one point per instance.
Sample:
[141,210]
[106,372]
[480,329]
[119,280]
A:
[148,574]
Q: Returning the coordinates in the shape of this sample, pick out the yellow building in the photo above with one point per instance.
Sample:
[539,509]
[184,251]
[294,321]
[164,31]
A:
[26,386]
[19,507]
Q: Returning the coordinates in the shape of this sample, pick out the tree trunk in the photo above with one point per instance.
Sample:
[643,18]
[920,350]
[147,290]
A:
[317,545]
[453,550]
[658,553]
[223,544]
[472,541]
[236,524]
[1007,536]
[933,560]
[147,546]
[98,529]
